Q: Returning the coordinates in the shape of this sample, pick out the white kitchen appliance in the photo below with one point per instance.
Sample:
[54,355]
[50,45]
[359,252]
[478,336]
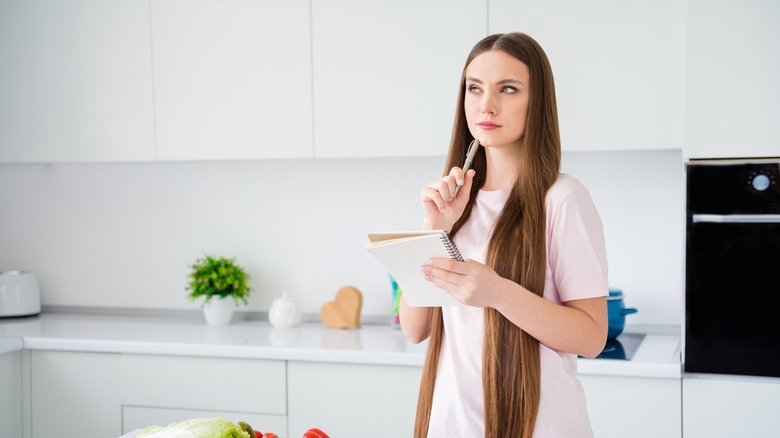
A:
[19,294]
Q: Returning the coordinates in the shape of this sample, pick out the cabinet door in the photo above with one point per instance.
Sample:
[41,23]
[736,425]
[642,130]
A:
[11,394]
[619,68]
[138,417]
[204,383]
[346,400]
[386,74]
[632,406]
[732,92]
[75,395]
[75,81]
[731,408]
[232,79]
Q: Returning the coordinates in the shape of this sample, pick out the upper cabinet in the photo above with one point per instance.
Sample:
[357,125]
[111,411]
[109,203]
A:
[144,80]
[619,68]
[75,81]
[733,95]
[386,74]
[232,79]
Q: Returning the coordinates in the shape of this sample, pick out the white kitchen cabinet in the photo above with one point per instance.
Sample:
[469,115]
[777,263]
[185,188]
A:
[732,92]
[348,400]
[139,417]
[730,408]
[633,406]
[75,394]
[75,81]
[232,79]
[386,74]
[619,68]
[163,389]
[11,394]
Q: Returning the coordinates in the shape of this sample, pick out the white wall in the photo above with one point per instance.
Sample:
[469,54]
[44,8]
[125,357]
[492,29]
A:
[123,234]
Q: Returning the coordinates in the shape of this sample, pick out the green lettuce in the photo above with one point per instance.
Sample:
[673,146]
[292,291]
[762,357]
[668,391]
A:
[216,427]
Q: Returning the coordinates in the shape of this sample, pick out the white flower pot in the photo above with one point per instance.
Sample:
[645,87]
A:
[219,311]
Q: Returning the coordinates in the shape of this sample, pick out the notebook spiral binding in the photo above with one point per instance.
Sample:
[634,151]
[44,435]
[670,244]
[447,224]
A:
[451,248]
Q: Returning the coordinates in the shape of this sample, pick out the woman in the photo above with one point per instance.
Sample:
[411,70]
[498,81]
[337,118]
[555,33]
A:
[534,283]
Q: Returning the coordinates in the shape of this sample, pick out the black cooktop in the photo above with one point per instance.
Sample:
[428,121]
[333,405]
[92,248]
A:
[623,347]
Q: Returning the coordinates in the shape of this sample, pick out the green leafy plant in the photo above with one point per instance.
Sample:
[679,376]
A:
[218,277]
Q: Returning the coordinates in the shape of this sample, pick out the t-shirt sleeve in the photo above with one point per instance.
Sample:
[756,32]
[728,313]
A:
[578,256]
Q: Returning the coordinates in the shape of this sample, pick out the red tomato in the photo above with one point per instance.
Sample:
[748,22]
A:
[315,433]
[270,435]
[258,434]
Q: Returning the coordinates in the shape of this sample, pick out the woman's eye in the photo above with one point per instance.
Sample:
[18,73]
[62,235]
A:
[509,89]
[474,89]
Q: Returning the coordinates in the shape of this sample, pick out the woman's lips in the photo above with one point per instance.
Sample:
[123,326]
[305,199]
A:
[487,126]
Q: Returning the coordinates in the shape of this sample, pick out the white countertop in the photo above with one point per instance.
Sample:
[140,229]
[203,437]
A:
[657,356]
[8,345]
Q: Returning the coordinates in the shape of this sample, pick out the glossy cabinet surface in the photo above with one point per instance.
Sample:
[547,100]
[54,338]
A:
[175,80]
[348,400]
[732,92]
[140,417]
[232,80]
[633,406]
[75,394]
[75,81]
[386,74]
[11,393]
[721,408]
[619,68]
[163,389]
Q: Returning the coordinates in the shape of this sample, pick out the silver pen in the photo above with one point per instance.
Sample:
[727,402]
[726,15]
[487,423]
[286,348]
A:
[469,158]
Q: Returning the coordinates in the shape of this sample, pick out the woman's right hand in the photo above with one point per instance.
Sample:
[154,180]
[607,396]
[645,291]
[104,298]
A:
[441,206]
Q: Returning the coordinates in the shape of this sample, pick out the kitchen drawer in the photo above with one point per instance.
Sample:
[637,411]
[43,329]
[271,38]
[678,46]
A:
[139,417]
[204,383]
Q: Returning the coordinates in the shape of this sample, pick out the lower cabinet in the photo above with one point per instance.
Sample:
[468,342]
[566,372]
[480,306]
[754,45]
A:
[136,417]
[163,389]
[11,394]
[346,400]
[75,394]
[633,406]
[105,395]
[731,408]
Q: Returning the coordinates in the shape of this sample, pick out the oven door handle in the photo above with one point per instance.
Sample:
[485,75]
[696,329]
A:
[737,218]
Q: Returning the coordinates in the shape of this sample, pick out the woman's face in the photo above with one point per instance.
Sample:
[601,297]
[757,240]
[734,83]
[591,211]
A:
[496,98]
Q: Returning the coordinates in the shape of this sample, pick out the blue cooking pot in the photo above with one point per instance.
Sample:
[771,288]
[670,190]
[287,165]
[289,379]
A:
[616,312]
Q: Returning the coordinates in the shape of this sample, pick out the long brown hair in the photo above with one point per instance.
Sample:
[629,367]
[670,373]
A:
[516,250]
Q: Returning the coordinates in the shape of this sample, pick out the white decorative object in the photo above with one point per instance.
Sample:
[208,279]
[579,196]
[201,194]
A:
[219,311]
[284,312]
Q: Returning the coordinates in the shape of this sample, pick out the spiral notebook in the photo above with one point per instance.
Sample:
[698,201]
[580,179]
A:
[404,253]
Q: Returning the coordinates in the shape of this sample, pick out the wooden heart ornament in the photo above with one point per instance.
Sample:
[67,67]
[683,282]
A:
[344,311]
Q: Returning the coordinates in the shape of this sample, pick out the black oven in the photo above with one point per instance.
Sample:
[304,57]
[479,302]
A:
[732,268]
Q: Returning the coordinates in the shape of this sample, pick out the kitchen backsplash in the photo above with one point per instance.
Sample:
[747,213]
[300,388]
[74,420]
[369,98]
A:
[121,235]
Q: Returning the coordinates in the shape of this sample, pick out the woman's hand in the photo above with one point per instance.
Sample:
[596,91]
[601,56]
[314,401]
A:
[577,326]
[441,206]
[470,282]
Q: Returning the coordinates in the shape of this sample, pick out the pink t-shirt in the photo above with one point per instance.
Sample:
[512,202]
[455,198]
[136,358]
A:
[576,269]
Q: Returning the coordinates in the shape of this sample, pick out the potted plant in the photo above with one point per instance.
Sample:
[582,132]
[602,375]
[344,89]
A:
[218,280]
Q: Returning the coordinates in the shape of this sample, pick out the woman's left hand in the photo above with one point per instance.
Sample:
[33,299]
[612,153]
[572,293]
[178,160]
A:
[470,282]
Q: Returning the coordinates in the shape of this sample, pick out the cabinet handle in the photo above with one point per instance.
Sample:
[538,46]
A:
[737,218]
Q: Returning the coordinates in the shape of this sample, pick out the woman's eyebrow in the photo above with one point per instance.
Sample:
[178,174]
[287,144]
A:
[501,82]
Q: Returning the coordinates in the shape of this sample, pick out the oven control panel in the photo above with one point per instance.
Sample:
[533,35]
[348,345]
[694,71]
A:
[763,179]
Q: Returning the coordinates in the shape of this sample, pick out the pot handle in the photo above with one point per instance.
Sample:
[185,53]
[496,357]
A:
[628,311]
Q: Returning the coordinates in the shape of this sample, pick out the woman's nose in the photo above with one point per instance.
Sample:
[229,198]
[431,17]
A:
[488,105]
